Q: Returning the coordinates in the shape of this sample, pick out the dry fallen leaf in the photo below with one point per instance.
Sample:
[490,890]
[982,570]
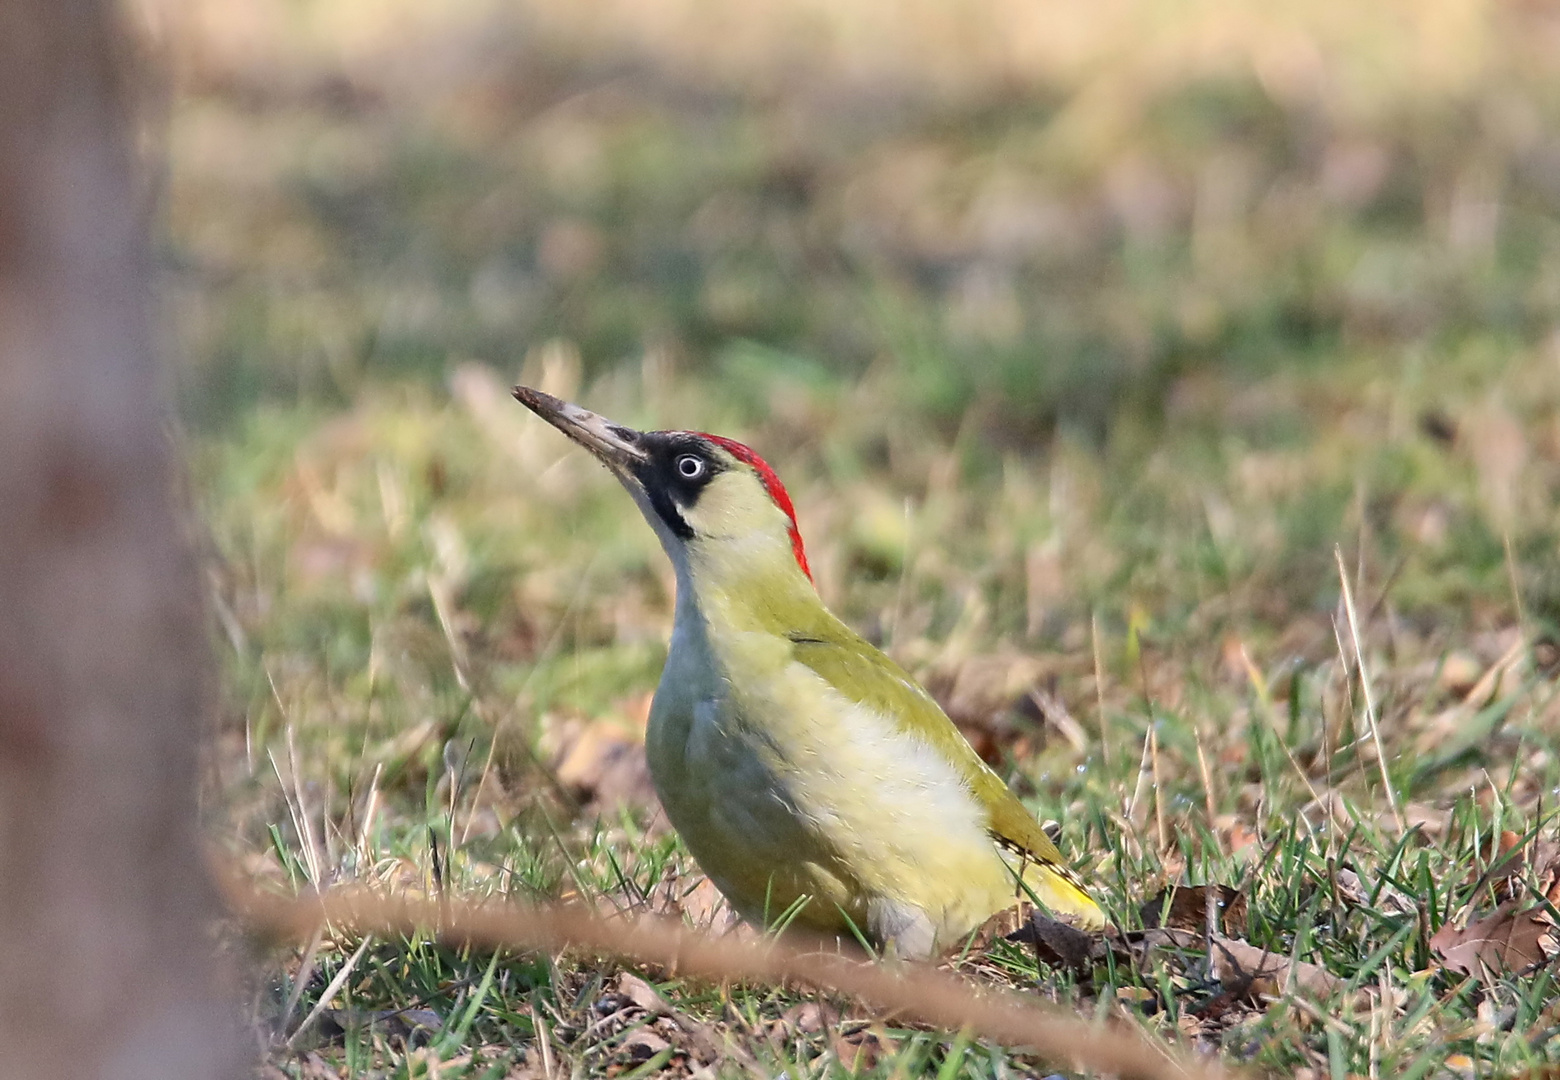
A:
[706,1041]
[808,1018]
[1241,840]
[999,704]
[1055,942]
[602,765]
[1244,968]
[1187,907]
[857,1045]
[1499,447]
[1516,865]
[695,899]
[999,925]
[1505,940]
[1430,820]
[642,994]
[642,1044]
[1460,671]
[860,1050]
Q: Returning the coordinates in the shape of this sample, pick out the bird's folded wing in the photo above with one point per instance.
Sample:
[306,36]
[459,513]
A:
[863,674]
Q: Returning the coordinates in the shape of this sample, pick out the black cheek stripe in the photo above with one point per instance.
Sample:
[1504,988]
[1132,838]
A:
[661,500]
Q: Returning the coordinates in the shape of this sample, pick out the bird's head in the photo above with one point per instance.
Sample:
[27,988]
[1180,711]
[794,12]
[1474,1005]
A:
[712,500]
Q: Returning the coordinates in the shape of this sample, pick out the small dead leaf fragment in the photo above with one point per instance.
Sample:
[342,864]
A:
[642,994]
[1241,838]
[1055,942]
[860,1050]
[1459,672]
[1430,820]
[1186,907]
[1000,925]
[695,899]
[643,1044]
[1515,864]
[1215,1009]
[1505,940]
[706,1041]
[808,1018]
[313,1067]
[987,697]
[603,766]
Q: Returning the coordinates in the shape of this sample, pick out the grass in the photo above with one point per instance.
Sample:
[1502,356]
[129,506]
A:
[1080,362]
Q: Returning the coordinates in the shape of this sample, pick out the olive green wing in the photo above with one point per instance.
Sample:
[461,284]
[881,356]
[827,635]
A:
[865,675]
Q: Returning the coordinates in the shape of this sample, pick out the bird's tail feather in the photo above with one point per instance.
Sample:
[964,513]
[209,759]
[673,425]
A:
[1060,891]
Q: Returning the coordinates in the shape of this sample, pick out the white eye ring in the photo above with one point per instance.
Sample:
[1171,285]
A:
[690,466]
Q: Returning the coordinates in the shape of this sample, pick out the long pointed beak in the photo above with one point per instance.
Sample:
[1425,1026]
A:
[617,446]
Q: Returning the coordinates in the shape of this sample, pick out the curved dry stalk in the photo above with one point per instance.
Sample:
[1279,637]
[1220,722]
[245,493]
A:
[1370,701]
[923,993]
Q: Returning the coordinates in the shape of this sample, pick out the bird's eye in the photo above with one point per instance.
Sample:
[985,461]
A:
[690,466]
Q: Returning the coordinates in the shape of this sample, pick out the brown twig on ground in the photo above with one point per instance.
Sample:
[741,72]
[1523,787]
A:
[923,993]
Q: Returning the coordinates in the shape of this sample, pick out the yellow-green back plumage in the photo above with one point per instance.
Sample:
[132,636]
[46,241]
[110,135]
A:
[864,674]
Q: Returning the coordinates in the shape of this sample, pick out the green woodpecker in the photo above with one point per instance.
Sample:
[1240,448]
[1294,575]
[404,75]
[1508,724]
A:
[803,768]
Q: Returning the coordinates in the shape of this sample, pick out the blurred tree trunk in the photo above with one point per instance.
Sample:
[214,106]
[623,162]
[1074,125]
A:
[105,967]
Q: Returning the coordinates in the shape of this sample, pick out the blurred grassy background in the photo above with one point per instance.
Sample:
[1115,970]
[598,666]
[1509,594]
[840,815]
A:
[1176,295]
[1054,317]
